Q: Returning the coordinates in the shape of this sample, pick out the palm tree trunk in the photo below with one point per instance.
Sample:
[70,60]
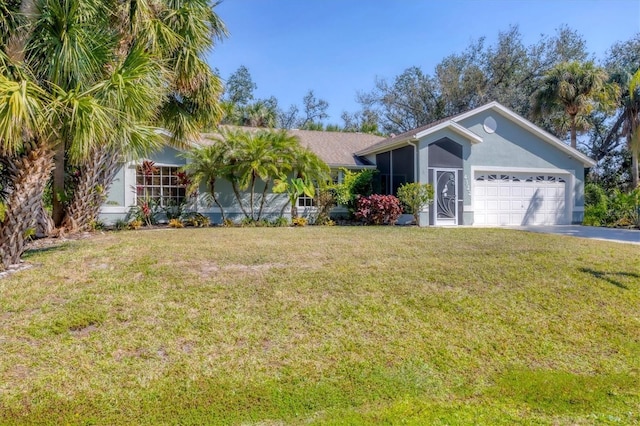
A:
[94,180]
[44,223]
[28,174]
[574,131]
[212,189]
[58,186]
[237,194]
[262,200]
[253,188]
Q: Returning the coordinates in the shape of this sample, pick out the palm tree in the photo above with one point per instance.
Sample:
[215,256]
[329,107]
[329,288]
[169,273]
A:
[572,88]
[90,79]
[628,120]
[308,171]
[205,165]
[176,34]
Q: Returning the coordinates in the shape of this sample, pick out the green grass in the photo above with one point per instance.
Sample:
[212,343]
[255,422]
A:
[323,326]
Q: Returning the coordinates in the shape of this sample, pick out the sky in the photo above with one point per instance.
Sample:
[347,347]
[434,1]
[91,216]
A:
[339,47]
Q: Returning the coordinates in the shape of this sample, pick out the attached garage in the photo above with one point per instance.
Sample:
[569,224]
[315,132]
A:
[520,199]
[491,167]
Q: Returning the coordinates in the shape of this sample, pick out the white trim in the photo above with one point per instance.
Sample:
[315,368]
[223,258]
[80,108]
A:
[457,200]
[106,209]
[350,166]
[549,170]
[455,127]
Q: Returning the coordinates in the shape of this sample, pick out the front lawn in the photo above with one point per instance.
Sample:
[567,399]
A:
[323,325]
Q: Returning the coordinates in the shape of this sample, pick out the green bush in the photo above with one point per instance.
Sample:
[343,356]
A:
[353,185]
[414,197]
[618,208]
[596,205]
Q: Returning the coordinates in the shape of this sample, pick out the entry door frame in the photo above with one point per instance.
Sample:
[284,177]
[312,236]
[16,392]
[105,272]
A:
[439,200]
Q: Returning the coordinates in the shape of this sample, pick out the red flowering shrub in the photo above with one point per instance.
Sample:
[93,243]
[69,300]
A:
[378,209]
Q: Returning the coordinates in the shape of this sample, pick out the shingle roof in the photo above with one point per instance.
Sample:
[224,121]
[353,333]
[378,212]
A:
[334,148]
[408,135]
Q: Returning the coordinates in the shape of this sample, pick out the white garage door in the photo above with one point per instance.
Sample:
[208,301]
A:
[519,199]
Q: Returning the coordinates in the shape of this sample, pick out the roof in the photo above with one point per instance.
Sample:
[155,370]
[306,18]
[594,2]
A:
[334,148]
[451,123]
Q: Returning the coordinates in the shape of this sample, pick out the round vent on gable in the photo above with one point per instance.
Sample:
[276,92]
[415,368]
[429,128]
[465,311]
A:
[490,125]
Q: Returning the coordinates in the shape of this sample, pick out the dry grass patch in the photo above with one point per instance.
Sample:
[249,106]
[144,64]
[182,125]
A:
[322,325]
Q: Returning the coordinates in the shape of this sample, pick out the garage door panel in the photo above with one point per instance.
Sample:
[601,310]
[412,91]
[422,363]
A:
[518,199]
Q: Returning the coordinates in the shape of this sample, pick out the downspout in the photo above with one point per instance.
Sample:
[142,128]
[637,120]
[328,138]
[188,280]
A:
[416,178]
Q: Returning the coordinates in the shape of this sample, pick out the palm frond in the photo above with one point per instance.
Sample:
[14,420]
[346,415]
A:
[22,104]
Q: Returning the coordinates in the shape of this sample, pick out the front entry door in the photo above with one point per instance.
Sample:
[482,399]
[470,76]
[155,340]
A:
[446,196]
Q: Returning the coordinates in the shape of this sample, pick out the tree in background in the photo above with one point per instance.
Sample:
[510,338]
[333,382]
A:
[507,72]
[574,89]
[239,87]
[314,110]
[240,108]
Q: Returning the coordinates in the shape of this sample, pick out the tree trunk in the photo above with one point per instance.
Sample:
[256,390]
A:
[264,194]
[253,188]
[238,197]
[44,223]
[574,136]
[28,175]
[212,189]
[94,180]
[57,189]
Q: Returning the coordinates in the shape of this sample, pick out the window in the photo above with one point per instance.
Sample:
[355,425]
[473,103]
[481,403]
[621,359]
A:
[160,184]
[304,201]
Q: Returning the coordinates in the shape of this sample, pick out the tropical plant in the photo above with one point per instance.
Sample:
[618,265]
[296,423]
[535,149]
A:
[294,188]
[205,165]
[378,209]
[89,80]
[353,185]
[299,221]
[572,89]
[176,223]
[264,156]
[415,196]
[325,202]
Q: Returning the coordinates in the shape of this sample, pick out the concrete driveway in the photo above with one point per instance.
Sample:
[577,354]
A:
[627,236]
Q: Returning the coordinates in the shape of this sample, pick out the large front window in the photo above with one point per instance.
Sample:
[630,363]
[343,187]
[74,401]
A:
[159,185]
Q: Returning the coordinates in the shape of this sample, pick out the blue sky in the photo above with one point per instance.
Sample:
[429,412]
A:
[338,47]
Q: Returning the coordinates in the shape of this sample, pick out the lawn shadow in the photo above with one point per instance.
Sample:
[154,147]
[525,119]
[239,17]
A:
[608,276]
[45,249]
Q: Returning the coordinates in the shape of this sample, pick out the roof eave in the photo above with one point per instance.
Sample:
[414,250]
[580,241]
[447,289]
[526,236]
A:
[395,144]
[453,126]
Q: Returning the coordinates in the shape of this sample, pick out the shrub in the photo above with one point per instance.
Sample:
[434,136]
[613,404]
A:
[596,205]
[299,221]
[614,209]
[623,208]
[197,220]
[228,223]
[280,222]
[96,225]
[176,223]
[325,201]
[415,197]
[135,224]
[120,225]
[354,185]
[378,209]
[247,222]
